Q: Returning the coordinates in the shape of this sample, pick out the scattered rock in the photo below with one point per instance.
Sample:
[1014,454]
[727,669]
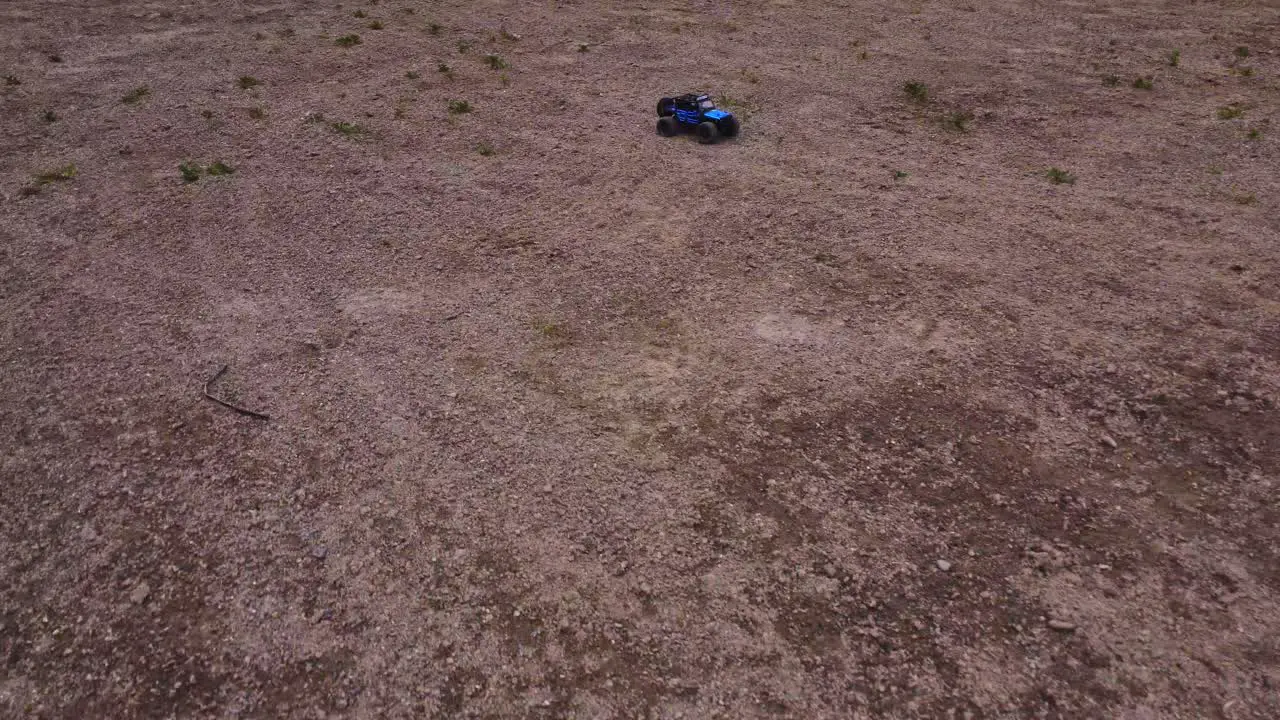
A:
[319,552]
[1108,441]
[944,566]
[1061,625]
[140,593]
[829,570]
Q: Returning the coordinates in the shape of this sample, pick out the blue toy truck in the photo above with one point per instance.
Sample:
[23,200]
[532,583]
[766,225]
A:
[697,113]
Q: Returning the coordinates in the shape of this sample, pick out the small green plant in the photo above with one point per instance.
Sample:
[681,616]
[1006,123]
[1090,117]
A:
[459,107]
[434,28]
[190,171]
[348,40]
[558,334]
[916,91]
[957,121]
[247,81]
[899,175]
[508,35]
[827,259]
[1245,198]
[464,45]
[347,129]
[485,149]
[1254,134]
[218,168]
[1142,83]
[864,55]
[1242,52]
[412,74]
[445,70]
[584,47]
[62,174]
[495,62]
[1230,112]
[135,96]
[1059,176]
[359,14]
[1111,81]
[1175,58]
[1242,71]
[376,25]
[505,79]
[12,80]
[49,116]
[257,113]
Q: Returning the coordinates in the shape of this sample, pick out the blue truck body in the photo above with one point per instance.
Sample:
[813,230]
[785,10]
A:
[695,113]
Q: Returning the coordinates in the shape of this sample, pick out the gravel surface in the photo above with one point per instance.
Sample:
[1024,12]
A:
[861,414]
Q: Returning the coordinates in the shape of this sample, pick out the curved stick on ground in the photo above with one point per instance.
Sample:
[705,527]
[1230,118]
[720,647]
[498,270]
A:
[226,404]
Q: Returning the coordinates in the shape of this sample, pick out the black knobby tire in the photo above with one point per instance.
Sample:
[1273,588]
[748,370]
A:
[666,107]
[707,132]
[729,126]
[668,126]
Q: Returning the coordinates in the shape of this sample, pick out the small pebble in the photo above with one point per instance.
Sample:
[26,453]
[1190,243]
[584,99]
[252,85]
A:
[944,566]
[1108,441]
[140,593]
[1061,625]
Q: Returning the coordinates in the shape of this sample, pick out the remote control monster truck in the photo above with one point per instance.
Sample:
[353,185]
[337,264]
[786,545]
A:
[695,113]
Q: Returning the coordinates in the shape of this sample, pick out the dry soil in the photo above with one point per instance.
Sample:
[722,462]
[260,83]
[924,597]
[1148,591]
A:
[859,415]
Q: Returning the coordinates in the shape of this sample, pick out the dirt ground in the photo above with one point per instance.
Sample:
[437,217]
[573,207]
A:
[859,415]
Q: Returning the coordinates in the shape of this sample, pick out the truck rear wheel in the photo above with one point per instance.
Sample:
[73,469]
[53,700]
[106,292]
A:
[707,132]
[668,126]
[666,107]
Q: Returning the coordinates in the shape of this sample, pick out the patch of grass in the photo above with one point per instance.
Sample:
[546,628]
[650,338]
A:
[347,129]
[359,14]
[12,80]
[412,74]
[348,40]
[459,107]
[257,113]
[135,96]
[508,35]
[206,114]
[1111,81]
[1058,176]
[1245,198]
[190,171]
[464,45]
[444,69]
[62,174]
[1214,170]
[1254,134]
[899,175]
[495,62]
[247,81]
[1242,71]
[1142,83]
[916,91]
[1230,112]
[1242,52]
[584,47]
[49,116]
[434,28]
[827,259]
[219,168]
[505,79]
[1175,58]
[485,149]
[957,121]
[376,25]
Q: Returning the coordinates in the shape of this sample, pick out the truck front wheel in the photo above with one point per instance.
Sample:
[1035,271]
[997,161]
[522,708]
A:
[707,132]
